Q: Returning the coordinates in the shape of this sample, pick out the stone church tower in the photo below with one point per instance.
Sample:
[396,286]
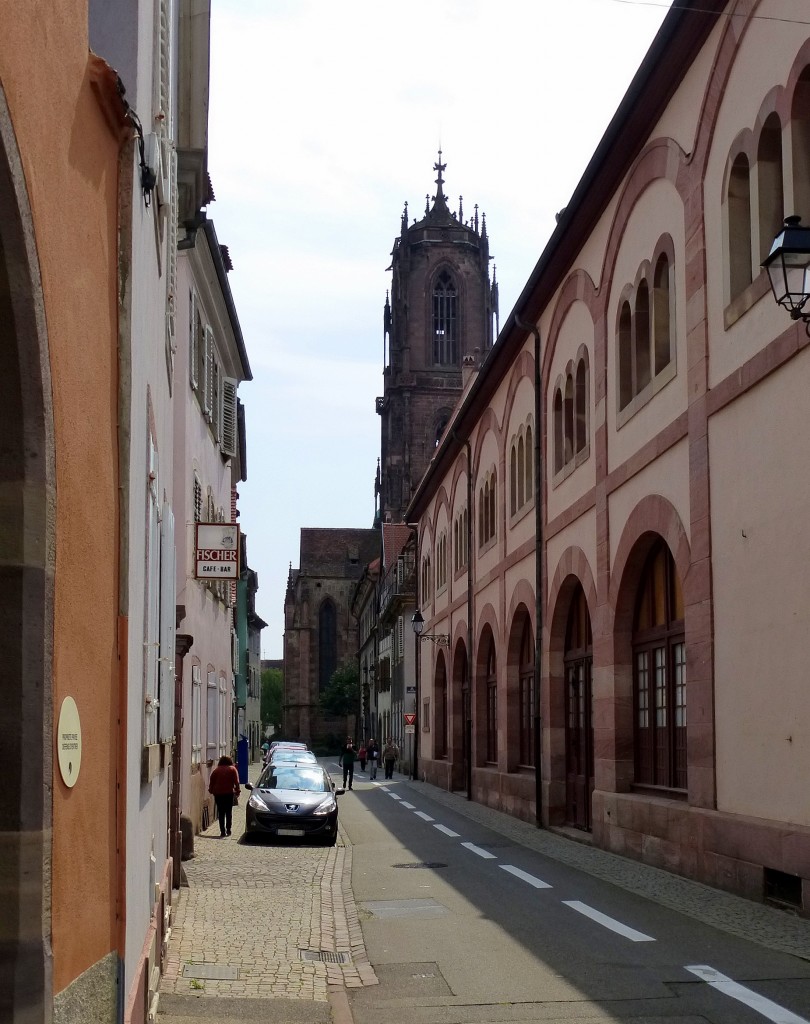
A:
[442,311]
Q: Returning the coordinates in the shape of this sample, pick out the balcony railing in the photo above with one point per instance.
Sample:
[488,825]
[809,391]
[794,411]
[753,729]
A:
[398,582]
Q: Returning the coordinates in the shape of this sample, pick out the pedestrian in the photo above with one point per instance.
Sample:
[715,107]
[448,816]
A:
[390,756]
[361,757]
[223,785]
[347,759]
[372,755]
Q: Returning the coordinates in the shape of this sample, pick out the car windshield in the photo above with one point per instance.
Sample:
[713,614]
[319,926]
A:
[307,780]
[292,755]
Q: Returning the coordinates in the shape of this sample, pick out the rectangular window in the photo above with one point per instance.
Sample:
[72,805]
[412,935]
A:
[196,735]
[643,689]
[660,687]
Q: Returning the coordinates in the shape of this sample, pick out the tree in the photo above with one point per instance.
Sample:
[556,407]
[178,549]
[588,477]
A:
[272,687]
[342,696]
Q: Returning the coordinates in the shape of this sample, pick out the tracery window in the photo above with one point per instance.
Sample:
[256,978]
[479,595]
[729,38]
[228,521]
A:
[445,321]
[327,643]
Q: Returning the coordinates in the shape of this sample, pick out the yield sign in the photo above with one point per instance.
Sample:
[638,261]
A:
[409,719]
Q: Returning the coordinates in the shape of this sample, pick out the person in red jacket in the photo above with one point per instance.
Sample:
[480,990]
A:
[223,785]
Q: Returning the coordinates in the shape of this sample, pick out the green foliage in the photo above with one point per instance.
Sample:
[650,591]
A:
[341,697]
[272,688]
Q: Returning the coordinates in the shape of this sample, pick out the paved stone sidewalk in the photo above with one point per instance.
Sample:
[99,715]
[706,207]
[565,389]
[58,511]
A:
[254,907]
[768,926]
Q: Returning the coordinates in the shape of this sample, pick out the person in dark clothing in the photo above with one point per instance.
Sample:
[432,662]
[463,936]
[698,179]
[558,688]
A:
[347,759]
[223,785]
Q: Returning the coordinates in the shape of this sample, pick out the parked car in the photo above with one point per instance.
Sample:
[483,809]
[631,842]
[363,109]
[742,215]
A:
[292,799]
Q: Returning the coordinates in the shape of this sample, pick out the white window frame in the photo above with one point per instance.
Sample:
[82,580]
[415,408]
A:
[196,701]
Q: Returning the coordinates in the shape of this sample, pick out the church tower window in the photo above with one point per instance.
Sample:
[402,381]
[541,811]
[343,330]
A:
[445,315]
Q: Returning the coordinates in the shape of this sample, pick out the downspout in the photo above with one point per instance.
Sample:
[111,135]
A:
[538,572]
[468,721]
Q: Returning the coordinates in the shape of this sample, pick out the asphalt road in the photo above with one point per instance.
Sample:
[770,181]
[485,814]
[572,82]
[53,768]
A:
[463,925]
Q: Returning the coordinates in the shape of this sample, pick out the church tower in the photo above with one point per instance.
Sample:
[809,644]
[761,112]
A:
[442,308]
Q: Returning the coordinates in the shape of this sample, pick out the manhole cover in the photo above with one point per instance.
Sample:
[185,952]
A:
[211,972]
[421,864]
[322,956]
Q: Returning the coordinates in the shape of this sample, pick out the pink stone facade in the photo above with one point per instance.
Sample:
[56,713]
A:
[673,432]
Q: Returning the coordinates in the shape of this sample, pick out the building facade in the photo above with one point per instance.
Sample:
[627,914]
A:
[665,388]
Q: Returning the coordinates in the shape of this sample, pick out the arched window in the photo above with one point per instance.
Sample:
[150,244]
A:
[739,226]
[513,487]
[625,355]
[526,695]
[770,186]
[642,338]
[445,314]
[659,674]
[492,518]
[492,706]
[568,418]
[558,431]
[800,129]
[529,464]
[327,643]
[521,474]
[661,314]
[580,408]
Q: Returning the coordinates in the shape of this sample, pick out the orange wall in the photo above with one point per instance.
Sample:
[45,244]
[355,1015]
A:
[70,162]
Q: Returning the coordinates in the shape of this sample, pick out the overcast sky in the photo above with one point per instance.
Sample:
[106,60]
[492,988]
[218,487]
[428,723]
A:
[325,118]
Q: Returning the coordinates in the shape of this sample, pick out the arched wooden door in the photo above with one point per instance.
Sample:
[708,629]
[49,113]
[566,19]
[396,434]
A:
[578,720]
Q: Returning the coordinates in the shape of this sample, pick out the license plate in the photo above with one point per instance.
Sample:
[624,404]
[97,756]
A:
[289,831]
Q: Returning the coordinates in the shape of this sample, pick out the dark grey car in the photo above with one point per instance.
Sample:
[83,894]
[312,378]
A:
[292,800]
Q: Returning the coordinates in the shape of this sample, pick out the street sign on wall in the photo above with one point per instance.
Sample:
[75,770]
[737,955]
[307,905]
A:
[216,554]
[409,719]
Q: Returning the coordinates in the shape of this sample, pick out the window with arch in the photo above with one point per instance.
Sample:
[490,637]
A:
[460,540]
[570,412]
[526,696]
[645,333]
[487,521]
[426,580]
[800,131]
[327,643]
[521,472]
[738,212]
[441,561]
[445,321]
[770,186]
[659,674]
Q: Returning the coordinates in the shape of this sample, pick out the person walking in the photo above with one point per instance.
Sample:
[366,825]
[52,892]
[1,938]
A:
[223,785]
[362,755]
[347,759]
[390,756]
[372,755]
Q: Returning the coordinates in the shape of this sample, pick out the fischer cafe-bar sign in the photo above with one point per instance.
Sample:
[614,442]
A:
[216,555]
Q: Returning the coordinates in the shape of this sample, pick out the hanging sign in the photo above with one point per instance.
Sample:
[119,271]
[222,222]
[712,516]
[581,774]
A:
[216,555]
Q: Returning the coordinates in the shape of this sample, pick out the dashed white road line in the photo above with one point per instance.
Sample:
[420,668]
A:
[395,796]
[410,807]
[423,816]
[477,850]
[538,883]
[447,831]
[608,922]
[778,1014]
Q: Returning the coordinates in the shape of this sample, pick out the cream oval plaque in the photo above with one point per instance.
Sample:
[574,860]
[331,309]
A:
[69,741]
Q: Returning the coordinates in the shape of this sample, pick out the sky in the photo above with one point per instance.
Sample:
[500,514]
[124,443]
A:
[325,118]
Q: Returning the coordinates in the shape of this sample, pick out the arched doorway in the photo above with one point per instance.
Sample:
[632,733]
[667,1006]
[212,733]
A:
[26,603]
[440,709]
[578,719]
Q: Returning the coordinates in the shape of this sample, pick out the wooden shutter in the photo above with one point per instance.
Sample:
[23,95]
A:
[151,644]
[207,375]
[193,340]
[228,416]
[167,624]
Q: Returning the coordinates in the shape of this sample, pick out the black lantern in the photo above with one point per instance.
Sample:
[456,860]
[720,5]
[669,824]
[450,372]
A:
[788,266]
[418,623]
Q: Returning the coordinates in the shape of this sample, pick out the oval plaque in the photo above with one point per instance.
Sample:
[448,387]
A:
[69,742]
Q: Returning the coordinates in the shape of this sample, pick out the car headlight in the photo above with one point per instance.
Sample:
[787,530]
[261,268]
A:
[326,806]
[256,803]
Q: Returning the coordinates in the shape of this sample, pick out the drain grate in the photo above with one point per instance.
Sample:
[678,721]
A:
[421,864]
[322,956]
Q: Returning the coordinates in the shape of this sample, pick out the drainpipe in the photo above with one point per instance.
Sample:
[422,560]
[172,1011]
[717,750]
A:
[470,532]
[538,572]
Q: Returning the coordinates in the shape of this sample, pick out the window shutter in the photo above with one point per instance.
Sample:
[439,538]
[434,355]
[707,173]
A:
[167,625]
[196,740]
[193,339]
[207,381]
[235,648]
[400,638]
[171,301]
[211,726]
[228,416]
[151,649]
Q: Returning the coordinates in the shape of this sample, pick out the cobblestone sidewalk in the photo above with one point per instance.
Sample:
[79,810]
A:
[254,907]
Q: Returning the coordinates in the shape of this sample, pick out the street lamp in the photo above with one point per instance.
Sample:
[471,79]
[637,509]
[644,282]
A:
[788,266]
[418,623]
